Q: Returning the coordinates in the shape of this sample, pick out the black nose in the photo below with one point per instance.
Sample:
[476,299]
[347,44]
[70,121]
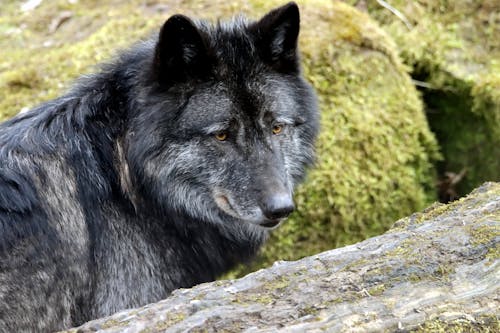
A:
[277,206]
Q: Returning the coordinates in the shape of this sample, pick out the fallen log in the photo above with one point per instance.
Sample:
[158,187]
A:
[434,270]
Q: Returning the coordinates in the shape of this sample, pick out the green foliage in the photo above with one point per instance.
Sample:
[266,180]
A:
[375,151]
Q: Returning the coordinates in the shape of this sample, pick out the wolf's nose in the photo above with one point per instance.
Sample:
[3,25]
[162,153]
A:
[278,206]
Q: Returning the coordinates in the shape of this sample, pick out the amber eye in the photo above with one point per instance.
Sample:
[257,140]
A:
[221,136]
[277,129]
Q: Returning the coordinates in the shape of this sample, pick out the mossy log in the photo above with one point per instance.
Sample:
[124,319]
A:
[438,269]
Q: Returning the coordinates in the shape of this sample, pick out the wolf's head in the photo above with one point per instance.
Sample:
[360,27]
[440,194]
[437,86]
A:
[226,125]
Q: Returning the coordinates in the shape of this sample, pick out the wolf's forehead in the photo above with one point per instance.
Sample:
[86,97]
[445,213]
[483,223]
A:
[226,102]
[232,35]
[234,49]
[212,103]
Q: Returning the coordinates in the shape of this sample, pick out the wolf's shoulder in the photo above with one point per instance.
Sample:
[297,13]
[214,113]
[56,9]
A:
[19,205]
[17,191]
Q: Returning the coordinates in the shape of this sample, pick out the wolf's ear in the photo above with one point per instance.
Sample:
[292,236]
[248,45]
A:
[181,52]
[277,34]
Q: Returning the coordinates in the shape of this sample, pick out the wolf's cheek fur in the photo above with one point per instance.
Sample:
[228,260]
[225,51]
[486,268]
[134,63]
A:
[180,183]
[218,194]
[220,184]
[298,154]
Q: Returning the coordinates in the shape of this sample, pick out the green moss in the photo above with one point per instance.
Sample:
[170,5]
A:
[452,50]
[483,324]
[278,283]
[377,290]
[413,277]
[488,234]
[265,293]
[172,319]
[406,251]
[430,212]
[415,268]
[114,323]
[493,253]
[308,311]
[444,271]
[489,190]
[485,233]
[355,265]
[377,272]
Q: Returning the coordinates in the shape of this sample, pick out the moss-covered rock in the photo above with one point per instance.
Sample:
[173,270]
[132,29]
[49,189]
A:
[454,51]
[375,151]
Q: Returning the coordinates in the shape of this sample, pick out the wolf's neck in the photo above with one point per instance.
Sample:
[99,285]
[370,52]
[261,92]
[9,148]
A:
[212,250]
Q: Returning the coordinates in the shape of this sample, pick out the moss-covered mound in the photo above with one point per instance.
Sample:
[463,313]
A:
[453,48]
[375,151]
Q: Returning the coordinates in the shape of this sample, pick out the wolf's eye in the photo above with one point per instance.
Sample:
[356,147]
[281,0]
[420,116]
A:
[277,129]
[221,136]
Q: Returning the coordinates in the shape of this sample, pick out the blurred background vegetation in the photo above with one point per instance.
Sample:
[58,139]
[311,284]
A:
[409,94]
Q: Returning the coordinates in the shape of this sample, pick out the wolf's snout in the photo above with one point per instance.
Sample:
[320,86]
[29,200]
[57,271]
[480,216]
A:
[277,206]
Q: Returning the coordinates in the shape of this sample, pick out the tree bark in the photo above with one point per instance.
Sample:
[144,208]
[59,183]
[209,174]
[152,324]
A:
[438,269]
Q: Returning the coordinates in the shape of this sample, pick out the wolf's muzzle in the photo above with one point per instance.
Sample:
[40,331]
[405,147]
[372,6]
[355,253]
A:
[277,206]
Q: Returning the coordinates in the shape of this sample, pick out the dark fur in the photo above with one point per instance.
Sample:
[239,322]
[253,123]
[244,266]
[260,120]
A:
[117,193]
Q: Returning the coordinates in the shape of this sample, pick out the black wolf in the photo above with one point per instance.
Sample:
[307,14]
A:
[161,171]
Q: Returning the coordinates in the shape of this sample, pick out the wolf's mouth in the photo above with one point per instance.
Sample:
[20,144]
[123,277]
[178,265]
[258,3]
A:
[271,223]
[225,205]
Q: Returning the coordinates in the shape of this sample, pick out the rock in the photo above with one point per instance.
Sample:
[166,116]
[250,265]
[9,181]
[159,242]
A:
[436,269]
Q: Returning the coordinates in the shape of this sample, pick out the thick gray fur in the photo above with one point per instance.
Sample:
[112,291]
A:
[163,170]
